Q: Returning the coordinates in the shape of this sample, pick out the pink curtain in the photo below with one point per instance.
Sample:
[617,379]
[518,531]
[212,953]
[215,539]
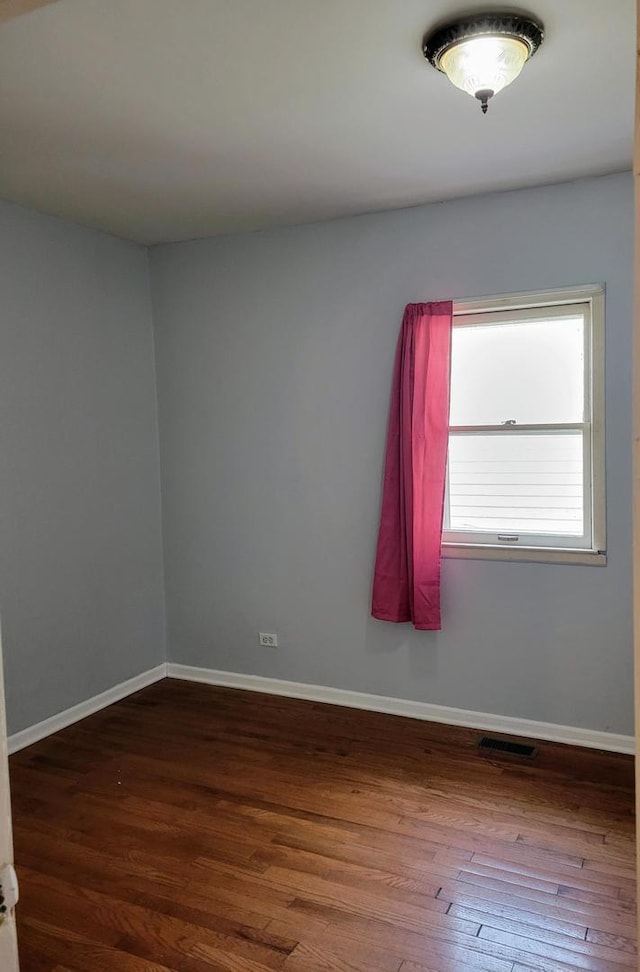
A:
[406,584]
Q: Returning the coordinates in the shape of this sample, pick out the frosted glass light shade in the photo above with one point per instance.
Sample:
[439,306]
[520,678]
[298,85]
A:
[484,64]
[483,53]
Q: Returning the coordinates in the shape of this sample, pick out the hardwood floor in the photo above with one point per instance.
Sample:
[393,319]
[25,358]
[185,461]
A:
[198,829]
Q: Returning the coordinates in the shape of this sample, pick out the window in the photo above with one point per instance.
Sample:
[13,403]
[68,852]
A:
[525,476]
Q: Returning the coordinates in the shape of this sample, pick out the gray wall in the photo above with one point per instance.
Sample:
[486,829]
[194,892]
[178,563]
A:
[274,355]
[80,541]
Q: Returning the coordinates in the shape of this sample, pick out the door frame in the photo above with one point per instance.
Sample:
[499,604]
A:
[8,934]
[636,448]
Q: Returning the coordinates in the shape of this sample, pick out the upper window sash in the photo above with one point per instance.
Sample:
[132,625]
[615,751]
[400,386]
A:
[513,428]
[535,300]
[496,318]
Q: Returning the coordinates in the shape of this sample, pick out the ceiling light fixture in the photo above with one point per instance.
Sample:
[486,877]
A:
[482,54]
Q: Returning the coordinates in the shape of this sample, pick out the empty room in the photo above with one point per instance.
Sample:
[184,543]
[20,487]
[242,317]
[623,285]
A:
[317,491]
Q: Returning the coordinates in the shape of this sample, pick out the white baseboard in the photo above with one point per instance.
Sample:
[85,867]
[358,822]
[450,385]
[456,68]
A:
[26,737]
[527,728]
[510,725]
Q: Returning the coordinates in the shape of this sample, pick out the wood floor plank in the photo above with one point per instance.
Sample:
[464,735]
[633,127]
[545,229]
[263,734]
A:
[435,948]
[145,929]
[189,828]
[547,911]
[594,958]
[309,957]
[623,942]
[600,882]
[414,967]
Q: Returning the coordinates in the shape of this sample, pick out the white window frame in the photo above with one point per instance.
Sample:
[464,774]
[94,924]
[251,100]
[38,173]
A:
[591,550]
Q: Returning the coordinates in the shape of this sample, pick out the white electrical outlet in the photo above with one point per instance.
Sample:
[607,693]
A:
[268,640]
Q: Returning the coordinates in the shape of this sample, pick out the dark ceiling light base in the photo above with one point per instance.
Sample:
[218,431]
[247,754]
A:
[482,69]
[482,25]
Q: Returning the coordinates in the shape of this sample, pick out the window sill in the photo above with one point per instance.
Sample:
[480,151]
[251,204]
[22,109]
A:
[531,555]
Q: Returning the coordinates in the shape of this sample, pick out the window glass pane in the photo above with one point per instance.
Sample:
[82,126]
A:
[530,373]
[516,483]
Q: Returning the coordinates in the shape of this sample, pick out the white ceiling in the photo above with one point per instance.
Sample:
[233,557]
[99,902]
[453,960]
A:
[170,119]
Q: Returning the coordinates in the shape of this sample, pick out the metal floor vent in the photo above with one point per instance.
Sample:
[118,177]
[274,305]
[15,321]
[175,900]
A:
[500,746]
